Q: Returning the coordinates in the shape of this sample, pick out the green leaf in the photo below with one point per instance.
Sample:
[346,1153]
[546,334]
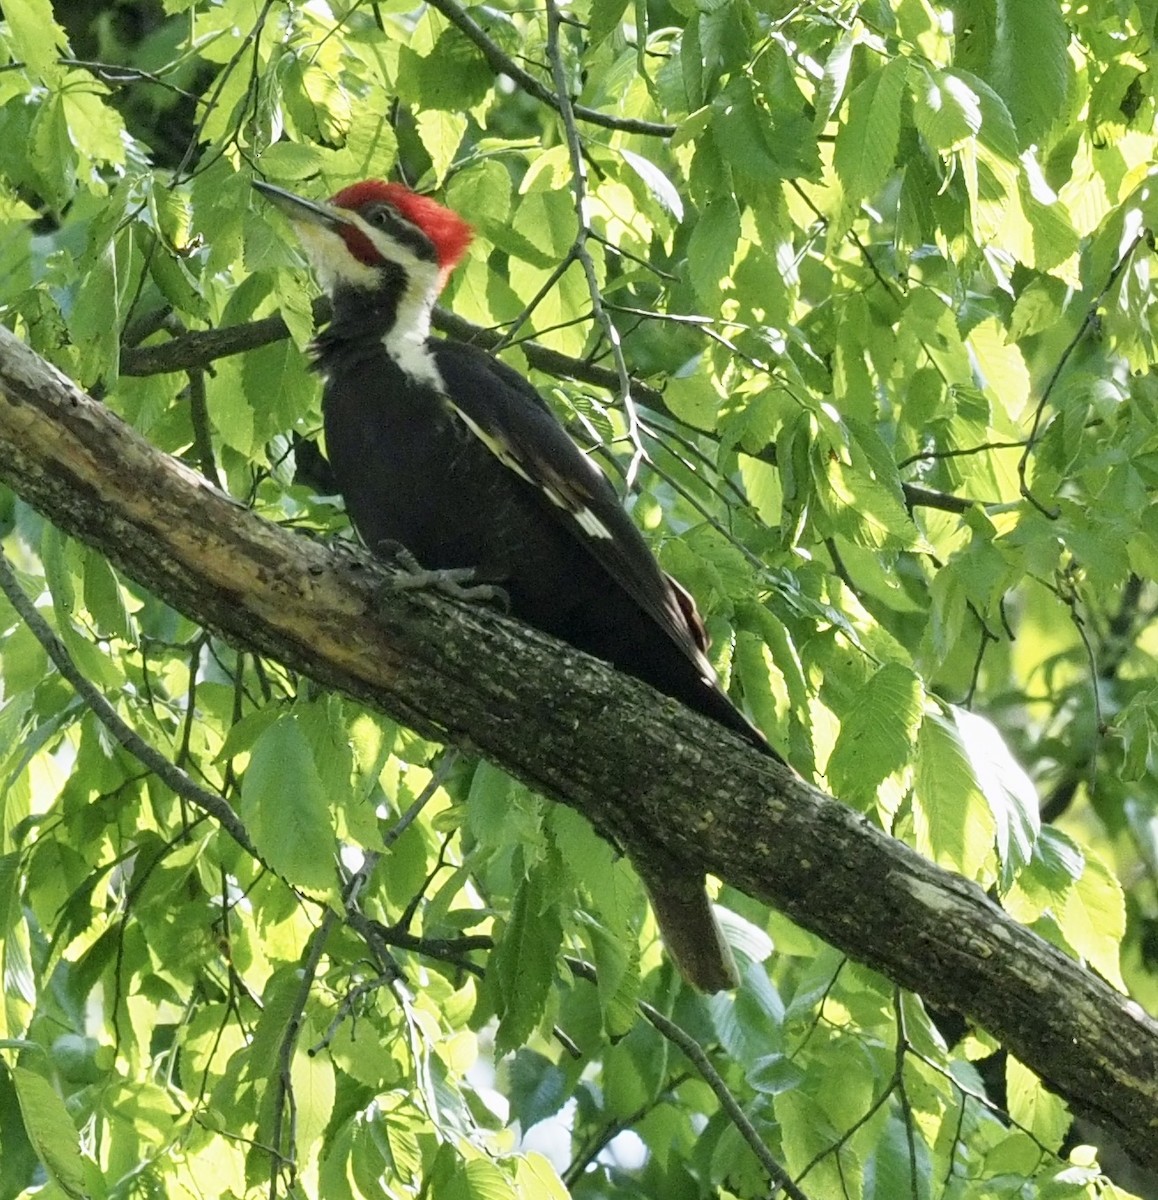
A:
[712,247]
[53,154]
[946,110]
[285,807]
[479,1179]
[1033,1107]
[35,36]
[877,735]
[866,144]
[658,184]
[103,597]
[96,128]
[1092,918]
[537,1179]
[51,1132]
[952,820]
[1007,789]
[1031,67]
[441,134]
[617,965]
[538,1088]
[524,960]
[604,19]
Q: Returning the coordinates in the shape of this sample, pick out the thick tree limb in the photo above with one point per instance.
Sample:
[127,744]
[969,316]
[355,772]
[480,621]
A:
[644,770]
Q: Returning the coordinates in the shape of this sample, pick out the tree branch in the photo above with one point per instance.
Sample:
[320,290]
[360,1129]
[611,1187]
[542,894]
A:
[666,783]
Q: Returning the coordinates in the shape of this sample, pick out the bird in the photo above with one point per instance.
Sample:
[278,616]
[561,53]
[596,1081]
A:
[441,450]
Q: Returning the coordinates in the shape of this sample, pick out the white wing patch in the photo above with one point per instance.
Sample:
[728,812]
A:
[413,355]
[584,517]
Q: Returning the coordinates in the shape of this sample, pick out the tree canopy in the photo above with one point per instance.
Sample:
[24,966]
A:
[854,302]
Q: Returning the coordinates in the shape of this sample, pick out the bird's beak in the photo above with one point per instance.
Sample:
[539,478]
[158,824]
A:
[301,210]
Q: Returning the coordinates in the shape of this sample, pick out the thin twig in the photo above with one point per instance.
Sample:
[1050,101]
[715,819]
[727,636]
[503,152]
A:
[436,780]
[173,777]
[1088,322]
[283,1084]
[579,250]
[503,64]
[680,1037]
[907,1120]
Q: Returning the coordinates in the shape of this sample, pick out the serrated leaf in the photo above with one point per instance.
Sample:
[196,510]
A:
[538,1088]
[524,961]
[35,37]
[775,1073]
[617,966]
[952,820]
[537,1179]
[877,734]
[51,1131]
[285,809]
[866,144]
[1030,67]
[1007,789]
[96,128]
[660,186]
[441,134]
[864,509]
[836,70]
[1092,919]
[947,112]
[712,247]
[692,397]
[291,161]
[103,597]
[314,1090]
[604,20]
[1002,367]
[1033,1107]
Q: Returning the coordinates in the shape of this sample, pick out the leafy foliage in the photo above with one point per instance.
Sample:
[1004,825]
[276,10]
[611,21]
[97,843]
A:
[882,272]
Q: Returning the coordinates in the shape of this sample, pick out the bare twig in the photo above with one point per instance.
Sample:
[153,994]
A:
[502,63]
[283,1085]
[1088,321]
[579,251]
[173,777]
[692,1050]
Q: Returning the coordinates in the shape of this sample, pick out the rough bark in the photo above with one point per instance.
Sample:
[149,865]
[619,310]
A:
[643,769]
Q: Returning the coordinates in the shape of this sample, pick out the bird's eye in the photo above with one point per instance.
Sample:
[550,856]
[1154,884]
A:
[378,217]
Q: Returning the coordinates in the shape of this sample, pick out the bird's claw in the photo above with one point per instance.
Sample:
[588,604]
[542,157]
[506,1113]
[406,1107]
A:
[459,583]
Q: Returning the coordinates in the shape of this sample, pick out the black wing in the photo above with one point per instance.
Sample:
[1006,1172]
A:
[510,417]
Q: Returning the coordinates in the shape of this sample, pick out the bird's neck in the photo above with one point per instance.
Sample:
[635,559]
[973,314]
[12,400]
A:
[397,311]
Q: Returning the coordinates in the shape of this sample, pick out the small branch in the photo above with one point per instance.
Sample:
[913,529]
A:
[503,64]
[173,777]
[579,251]
[202,435]
[694,1052]
[444,768]
[283,1085]
[1088,322]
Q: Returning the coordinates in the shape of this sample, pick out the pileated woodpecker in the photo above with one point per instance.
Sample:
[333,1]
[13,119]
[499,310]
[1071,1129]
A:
[443,449]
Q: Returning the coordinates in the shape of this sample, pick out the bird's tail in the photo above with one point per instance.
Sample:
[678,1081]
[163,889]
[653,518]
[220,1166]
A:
[691,933]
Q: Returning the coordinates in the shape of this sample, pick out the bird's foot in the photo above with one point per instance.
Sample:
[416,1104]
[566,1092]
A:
[459,583]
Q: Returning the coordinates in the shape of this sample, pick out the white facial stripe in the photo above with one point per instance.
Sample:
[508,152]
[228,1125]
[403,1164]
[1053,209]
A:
[331,258]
